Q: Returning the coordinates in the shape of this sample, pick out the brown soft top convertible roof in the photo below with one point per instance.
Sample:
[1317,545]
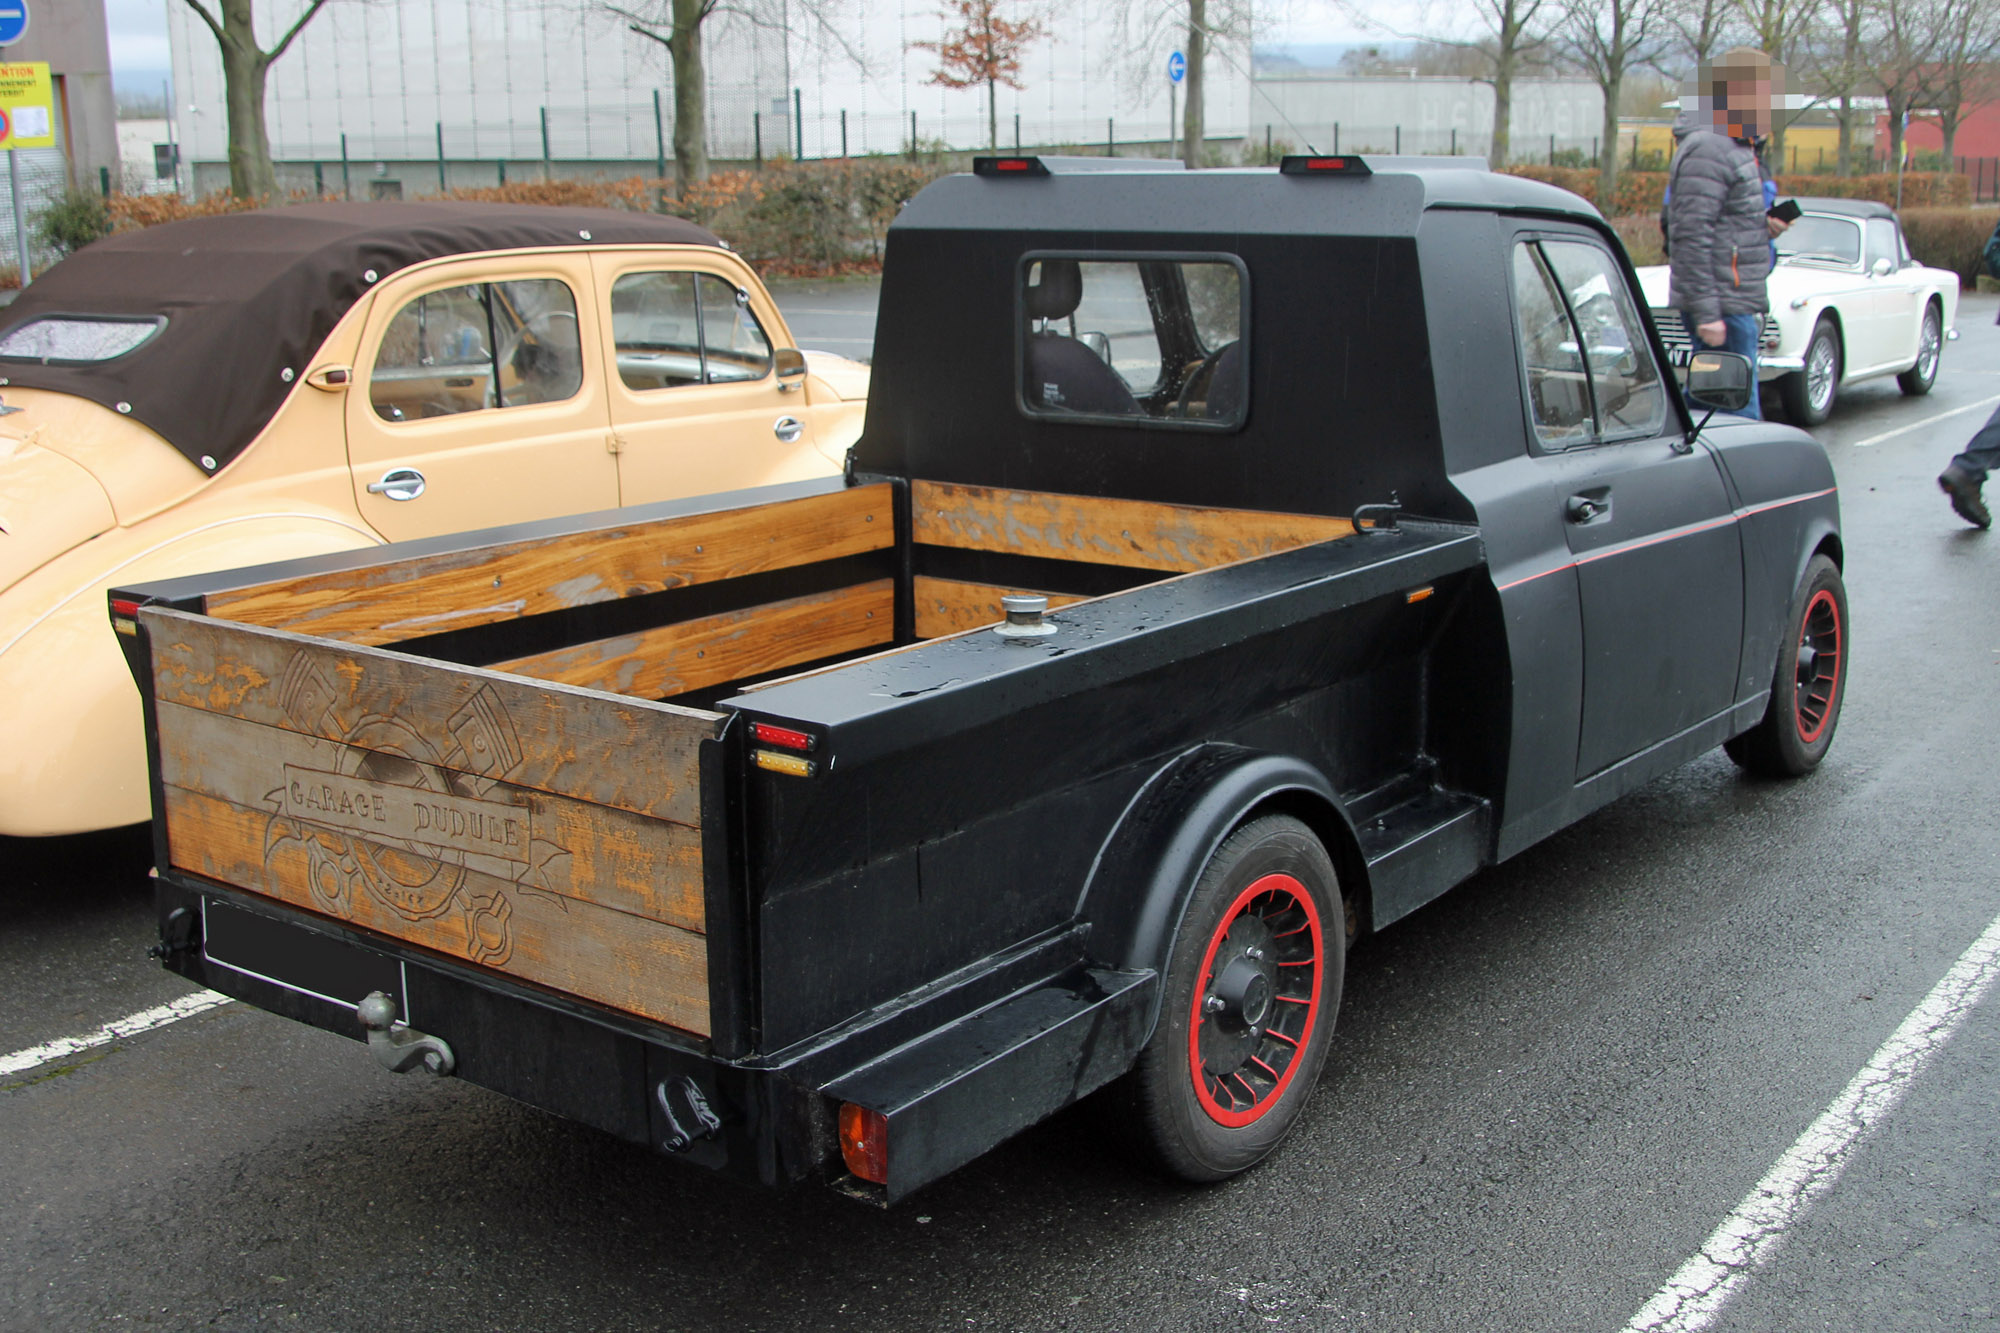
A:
[249,297]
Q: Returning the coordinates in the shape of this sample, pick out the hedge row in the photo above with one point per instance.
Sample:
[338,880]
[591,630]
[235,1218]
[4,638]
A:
[1643,191]
[830,217]
[806,218]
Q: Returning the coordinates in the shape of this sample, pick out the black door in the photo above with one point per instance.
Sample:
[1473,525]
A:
[1649,524]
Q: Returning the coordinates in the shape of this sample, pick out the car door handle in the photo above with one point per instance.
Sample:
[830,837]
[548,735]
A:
[1583,508]
[399,483]
[788,429]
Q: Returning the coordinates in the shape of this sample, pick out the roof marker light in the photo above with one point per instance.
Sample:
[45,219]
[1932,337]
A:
[1009,166]
[1347,165]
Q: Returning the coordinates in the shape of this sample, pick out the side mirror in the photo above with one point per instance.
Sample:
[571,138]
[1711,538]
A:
[1099,343]
[1720,380]
[1882,267]
[791,366]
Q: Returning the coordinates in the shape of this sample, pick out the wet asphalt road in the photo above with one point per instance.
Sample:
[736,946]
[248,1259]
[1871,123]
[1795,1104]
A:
[1547,1087]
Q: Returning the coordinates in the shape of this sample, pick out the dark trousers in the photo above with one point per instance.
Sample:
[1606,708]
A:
[1983,454]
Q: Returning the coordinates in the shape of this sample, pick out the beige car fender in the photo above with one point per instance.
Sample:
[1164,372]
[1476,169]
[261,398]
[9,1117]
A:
[75,752]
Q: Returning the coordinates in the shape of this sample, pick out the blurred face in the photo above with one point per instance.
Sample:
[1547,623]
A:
[1745,111]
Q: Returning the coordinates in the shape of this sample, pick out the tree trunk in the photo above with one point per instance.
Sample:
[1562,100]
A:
[1607,158]
[1503,106]
[251,175]
[690,96]
[1191,126]
[1897,102]
[1843,154]
[993,114]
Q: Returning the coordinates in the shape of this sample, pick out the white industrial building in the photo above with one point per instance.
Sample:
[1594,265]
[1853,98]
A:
[468,91]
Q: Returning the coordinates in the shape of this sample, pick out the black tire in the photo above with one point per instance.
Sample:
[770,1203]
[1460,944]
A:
[1808,686]
[1917,380]
[1261,954]
[1809,394]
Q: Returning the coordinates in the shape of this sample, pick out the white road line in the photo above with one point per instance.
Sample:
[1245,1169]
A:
[1927,421]
[1748,1237]
[131,1025]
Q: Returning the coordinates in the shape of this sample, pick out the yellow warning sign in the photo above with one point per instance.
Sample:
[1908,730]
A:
[27,105]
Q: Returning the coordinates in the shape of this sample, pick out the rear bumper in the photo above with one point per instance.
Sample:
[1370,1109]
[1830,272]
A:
[953,1069]
[566,1057]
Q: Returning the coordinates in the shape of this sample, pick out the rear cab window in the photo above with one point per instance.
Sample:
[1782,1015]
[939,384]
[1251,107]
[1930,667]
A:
[78,340]
[1141,340]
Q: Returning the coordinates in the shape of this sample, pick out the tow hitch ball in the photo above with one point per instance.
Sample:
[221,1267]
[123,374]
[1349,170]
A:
[401,1050]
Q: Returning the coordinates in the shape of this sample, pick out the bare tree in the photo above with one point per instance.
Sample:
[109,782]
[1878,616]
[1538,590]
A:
[1777,27]
[983,49]
[1606,39]
[245,68]
[1962,70]
[1513,39]
[1900,51]
[1703,28]
[1143,30]
[678,26]
[1833,54]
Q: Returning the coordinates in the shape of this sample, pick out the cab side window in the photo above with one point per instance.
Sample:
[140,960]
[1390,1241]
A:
[1591,374]
[477,346]
[673,329]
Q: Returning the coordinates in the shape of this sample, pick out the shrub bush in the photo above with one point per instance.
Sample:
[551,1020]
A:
[1951,238]
[1920,190]
[74,220]
[1641,234]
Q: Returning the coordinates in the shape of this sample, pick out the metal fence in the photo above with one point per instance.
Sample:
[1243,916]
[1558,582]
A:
[43,174]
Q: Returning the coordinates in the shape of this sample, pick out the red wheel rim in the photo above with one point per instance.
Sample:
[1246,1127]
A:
[1256,1000]
[1818,673]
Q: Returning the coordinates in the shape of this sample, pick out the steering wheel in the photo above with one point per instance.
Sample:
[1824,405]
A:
[1201,375]
[538,332]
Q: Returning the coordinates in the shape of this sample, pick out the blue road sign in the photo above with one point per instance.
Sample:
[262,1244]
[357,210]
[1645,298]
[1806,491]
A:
[1176,63]
[13,21]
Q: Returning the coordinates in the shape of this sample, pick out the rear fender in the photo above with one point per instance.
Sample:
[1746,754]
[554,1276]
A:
[1143,876]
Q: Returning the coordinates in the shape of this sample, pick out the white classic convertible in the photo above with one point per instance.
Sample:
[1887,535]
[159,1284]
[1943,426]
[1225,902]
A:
[1848,303]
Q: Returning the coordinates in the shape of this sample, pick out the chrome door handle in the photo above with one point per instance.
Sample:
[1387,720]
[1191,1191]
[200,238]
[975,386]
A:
[788,429]
[399,483]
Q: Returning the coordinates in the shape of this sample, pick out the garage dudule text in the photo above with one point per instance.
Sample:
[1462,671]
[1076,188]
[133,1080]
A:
[1377,542]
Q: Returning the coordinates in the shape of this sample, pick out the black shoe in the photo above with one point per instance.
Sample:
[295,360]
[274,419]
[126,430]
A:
[1963,489]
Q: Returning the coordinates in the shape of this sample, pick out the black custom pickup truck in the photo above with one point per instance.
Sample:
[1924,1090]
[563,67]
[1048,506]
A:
[1354,535]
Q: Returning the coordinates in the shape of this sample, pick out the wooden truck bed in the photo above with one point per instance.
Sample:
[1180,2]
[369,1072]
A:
[365,739]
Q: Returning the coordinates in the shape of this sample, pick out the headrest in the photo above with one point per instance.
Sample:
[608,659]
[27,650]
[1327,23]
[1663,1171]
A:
[1058,293]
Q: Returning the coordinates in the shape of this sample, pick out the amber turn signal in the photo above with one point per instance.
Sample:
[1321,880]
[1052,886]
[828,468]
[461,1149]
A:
[864,1143]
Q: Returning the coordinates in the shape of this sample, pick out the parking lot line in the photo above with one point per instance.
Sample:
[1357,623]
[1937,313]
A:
[1749,1236]
[1927,421]
[130,1025]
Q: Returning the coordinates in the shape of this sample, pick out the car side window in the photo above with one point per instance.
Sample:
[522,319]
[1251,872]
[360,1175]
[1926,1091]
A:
[673,329]
[476,346]
[1882,243]
[1557,393]
[1591,373]
[1624,381]
[732,341]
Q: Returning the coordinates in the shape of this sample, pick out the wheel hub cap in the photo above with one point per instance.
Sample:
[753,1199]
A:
[1256,1000]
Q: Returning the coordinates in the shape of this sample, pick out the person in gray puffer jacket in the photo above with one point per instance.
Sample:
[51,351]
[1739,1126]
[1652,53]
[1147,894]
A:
[1718,233]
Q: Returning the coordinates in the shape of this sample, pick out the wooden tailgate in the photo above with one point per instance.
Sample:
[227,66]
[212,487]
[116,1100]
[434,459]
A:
[548,832]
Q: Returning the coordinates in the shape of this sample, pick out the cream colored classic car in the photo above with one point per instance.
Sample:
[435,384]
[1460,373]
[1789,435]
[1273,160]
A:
[234,390]
[1848,303]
